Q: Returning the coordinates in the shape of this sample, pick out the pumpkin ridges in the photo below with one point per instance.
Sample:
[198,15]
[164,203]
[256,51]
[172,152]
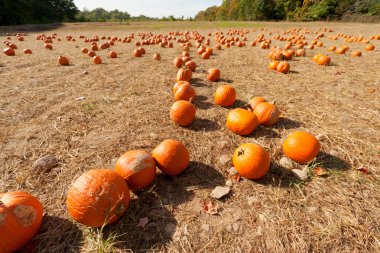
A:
[301,147]
[241,121]
[182,113]
[225,95]
[185,92]
[267,113]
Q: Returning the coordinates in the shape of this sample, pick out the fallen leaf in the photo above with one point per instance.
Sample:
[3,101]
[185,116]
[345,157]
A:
[210,208]
[319,171]
[363,170]
[371,90]
[143,222]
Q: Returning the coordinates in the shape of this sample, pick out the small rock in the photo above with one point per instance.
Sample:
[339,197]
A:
[235,227]
[334,153]
[80,98]
[224,160]
[229,227]
[232,171]
[286,163]
[46,163]
[85,72]
[300,174]
[259,231]
[320,137]
[220,192]
[229,183]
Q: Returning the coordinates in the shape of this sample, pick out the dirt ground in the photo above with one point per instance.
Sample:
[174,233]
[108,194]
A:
[124,104]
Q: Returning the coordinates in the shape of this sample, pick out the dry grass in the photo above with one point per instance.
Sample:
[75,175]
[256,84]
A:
[126,106]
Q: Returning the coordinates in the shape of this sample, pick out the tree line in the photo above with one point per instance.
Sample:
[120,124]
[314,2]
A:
[296,10]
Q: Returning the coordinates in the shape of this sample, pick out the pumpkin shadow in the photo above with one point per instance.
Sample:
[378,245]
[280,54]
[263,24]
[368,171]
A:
[286,123]
[280,177]
[200,102]
[204,125]
[239,104]
[58,235]
[198,82]
[264,132]
[293,72]
[331,162]
[30,28]
[225,80]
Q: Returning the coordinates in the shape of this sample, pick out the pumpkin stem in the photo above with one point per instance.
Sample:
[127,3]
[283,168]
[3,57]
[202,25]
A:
[273,102]
[241,152]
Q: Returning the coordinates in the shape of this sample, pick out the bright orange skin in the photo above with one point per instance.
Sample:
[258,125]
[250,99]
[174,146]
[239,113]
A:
[9,51]
[178,84]
[283,67]
[27,51]
[171,156]
[356,53]
[20,219]
[324,60]
[138,168]
[225,95]
[316,57]
[98,197]
[191,65]
[301,147]
[91,53]
[273,65]
[241,121]
[178,62]
[251,161]
[267,113]
[97,60]
[64,61]
[254,102]
[185,92]
[184,75]
[112,54]
[182,113]
[137,53]
[84,50]
[156,57]
[369,47]
[213,75]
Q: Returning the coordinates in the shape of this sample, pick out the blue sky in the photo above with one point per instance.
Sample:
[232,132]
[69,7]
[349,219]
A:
[152,8]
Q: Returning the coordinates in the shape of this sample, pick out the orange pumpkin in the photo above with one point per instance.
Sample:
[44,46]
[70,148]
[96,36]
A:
[64,61]
[137,53]
[273,65]
[356,53]
[112,54]
[267,113]
[316,57]
[84,50]
[182,113]
[241,121]
[27,51]
[98,197]
[97,60]
[254,102]
[283,67]
[324,60]
[156,57]
[205,55]
[369,47]
[301,147]
[138,168]
[91,53]
[191,65]
[185,92]
[332,48]
[171,156]
[178,62]
[178,84]
[49,46]
[213,75]
[184,74]
[9,51]
[225,95]
[20,219]
[251,161]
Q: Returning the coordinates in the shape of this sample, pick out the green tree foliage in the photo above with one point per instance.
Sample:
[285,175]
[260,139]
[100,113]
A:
[288,9]
[14,12]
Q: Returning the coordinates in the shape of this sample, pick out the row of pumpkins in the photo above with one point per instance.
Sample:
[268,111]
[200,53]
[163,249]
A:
[101,196]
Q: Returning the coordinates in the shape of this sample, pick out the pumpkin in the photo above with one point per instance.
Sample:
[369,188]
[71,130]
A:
[142,50]
[20,219]
[137,53]
[205,55]
[369,47]
[9,51]
[91,53]
[178,84]
[301,147]
[283,67]
[301,52]
[213,75]
[84,50]
[254,102]
[64,61]
[340,50]
[97,60]
[241,121]
[251,161]
[225,95]
[178,62]
[316,57]
[332,48]
[356,53]
[186,59]
[98,197]
[273,65]
[171,156]
[324,60]
[267,113]
[156,57]
[27,51]
[138,168]
[112,54]
[185,92]
[182,113]
[184,74]
[191,65]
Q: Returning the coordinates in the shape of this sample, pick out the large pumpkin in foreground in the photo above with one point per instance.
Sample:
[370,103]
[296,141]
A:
[98,197]
[301,147]
[138,168]
[251,161]
[20,219]
[171,156]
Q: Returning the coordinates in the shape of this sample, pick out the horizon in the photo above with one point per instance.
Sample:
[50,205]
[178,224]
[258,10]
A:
[151,8]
